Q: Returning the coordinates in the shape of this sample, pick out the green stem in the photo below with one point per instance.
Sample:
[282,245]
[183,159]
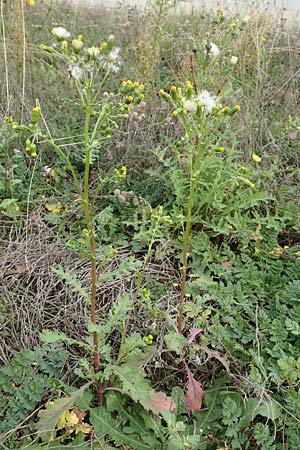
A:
[90,227]
[187,233]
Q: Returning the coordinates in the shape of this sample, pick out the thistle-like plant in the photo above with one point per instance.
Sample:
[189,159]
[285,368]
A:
[89,68]
[200,115]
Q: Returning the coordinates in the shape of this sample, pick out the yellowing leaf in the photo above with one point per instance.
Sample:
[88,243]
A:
[256,158]
[54,208]
[73,420]
[84,428]
[63,419]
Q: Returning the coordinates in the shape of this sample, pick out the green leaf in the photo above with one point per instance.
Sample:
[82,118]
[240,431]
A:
[71,280]
[53,336]
[137,387]
[7,202]
[104,424]
[175,342]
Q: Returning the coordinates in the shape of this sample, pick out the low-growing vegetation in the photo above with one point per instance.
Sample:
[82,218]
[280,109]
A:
[149,214]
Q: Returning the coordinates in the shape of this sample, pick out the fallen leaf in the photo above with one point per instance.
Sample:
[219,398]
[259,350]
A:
[215,354]
[194,393]
[228,265]
[193,334]
[80,414]
[159,402]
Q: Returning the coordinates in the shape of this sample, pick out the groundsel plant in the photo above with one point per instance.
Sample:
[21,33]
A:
[201,115]
[89,67]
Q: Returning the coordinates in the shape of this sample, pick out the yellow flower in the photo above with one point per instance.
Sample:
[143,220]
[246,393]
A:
[238,108]
[256,158]
[31,2]
[232,25]
[103,46]
[130,98]
[77,45]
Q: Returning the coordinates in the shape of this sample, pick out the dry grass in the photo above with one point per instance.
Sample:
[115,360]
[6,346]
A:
[33,298]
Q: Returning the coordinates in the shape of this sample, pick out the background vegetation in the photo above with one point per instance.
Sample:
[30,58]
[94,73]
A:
[229,379]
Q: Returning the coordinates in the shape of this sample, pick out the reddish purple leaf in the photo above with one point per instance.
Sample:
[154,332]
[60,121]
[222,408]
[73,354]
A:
[194,393]
[193,334]
[158,402]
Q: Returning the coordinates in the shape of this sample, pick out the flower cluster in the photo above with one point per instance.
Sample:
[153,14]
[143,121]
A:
[84,60]
[186,101]
[132,92]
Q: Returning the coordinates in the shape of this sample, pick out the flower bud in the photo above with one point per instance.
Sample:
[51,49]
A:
[93,52]
[36,115]
[77,45]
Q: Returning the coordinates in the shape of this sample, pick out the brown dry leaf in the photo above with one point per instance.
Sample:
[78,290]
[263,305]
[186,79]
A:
[159,402]
[80,414]
[215,354]
[194,393]
[22,268]
[228,265]
[193,334]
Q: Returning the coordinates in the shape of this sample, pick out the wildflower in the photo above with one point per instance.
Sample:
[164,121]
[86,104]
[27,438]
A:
[46,48]
[256,158]
[234,60]
[112,61]
[111,37]
[190,105]
[76,72]
[48,171]
[114,54]
[207,100]
[77,45]
[31,2]
[64,45]
[93,52]
[36,114]
[60,33]
[212,50]
[103,46]
[246,19]
[232,25]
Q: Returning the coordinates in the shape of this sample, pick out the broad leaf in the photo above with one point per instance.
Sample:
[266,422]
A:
[137,387]
[194,394]
[159,402]
[104,424]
